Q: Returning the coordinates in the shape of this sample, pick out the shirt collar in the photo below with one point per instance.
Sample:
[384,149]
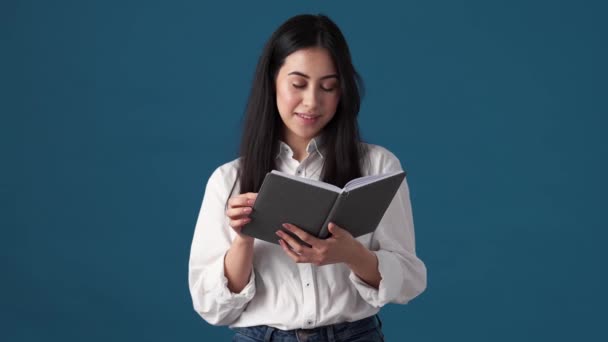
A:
[314,145]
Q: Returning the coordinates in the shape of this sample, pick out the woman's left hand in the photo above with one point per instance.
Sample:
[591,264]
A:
[341,246]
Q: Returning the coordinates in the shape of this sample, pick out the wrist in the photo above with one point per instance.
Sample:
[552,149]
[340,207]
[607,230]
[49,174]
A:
[356,253]
[243,240]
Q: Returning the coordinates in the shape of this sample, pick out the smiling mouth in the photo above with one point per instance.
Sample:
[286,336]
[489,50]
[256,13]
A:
[307,117]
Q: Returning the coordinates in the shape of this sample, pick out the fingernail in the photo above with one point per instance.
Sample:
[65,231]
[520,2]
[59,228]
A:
[247,210]
[285,225]
[250,201]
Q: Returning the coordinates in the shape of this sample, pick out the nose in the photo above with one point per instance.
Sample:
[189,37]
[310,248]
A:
[311,98]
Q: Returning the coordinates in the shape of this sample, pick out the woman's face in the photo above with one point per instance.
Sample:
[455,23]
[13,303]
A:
[307,92]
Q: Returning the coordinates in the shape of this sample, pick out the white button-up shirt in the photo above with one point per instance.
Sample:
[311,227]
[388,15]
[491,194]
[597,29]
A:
[287,295]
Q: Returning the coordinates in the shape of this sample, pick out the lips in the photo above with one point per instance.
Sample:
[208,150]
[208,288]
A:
[307,116]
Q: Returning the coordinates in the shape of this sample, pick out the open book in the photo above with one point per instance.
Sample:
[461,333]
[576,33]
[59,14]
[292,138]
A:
[312,205]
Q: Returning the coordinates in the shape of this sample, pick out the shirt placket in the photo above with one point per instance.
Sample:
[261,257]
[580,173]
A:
[309,312]
[309,167]
[302,167]
[301,170]
[306,270]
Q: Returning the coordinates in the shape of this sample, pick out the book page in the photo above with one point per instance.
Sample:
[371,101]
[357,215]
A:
[312,182]
[361,181]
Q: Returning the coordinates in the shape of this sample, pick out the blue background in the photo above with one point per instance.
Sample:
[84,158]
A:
[115,113]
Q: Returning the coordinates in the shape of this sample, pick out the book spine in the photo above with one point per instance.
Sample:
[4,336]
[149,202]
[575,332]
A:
[324,233]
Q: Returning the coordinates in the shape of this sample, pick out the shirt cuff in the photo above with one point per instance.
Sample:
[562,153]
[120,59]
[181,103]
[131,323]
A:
[225,297]
[380,296]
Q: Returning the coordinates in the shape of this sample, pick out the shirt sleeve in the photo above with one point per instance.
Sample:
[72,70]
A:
[211,298]
[403,273]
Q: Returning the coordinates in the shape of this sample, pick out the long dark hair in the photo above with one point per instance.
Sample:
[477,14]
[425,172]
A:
[263,126]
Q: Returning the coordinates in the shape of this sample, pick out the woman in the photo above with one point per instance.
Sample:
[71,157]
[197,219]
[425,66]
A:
[301,118]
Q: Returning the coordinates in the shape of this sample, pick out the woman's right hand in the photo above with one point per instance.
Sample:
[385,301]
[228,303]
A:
[239,208]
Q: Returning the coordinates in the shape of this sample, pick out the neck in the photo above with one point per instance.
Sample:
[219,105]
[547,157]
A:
[298,146]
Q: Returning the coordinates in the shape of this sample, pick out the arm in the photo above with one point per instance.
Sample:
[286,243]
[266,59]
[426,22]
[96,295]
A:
[364,264]
[211,245]
[403,274]
[238,264]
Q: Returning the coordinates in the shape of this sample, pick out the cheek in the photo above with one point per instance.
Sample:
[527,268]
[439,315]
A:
[286,100]
[331,102]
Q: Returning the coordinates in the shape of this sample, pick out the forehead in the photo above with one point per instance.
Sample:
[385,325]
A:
[315,62]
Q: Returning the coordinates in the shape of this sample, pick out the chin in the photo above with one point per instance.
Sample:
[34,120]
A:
[307,135]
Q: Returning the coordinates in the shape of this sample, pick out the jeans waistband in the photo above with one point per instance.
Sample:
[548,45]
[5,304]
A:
[333,332]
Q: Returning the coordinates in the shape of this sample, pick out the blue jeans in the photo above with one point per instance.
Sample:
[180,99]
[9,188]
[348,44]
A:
[364,330]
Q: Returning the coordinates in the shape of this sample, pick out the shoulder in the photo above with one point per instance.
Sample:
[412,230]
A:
[228,169]
[224,177]
[378,159]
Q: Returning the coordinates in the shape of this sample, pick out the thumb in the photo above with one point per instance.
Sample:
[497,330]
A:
[335,230]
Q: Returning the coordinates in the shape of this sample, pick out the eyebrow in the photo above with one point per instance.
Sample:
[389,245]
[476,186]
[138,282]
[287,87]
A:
[306,76]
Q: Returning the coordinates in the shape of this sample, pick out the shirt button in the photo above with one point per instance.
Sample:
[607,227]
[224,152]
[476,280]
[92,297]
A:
[309,322]
[299,172]
[307,284]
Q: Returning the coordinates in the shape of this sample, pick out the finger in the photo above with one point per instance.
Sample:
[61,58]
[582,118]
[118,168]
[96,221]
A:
[240,212]
[238,218]
[333,229]
[238,224]
[303,235]
[250,195]
[336,230]
[295,257]
[240,201]
[295,245]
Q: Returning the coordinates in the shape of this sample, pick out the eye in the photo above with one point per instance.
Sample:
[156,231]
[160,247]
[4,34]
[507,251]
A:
[329,87]
[299,86]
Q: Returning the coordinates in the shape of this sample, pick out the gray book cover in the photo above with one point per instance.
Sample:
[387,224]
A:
[311,204]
